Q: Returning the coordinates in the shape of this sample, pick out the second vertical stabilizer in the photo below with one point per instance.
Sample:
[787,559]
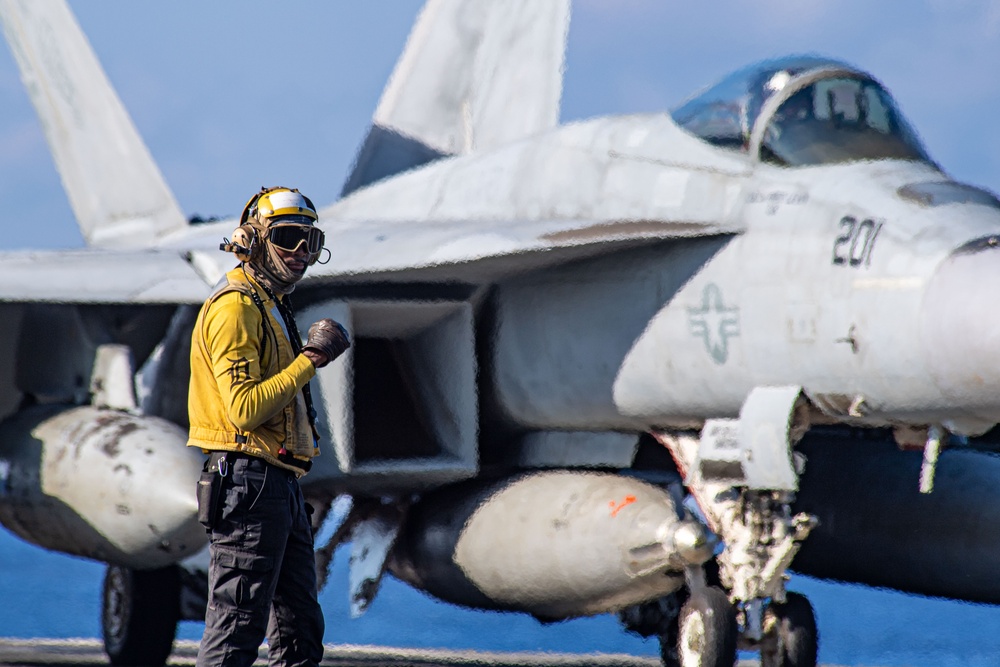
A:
[473,76]
[116,190]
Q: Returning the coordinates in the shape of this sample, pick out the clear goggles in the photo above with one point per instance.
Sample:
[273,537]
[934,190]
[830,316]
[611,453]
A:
[290,237]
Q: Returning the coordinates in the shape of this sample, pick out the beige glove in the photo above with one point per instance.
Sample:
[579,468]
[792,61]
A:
[327,338]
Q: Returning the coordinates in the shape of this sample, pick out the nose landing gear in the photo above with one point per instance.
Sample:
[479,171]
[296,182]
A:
[743,474]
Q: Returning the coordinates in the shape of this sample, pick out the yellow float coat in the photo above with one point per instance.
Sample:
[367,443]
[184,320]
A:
[244,398]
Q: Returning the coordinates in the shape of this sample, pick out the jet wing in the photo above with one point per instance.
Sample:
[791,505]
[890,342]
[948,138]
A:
[478,251]
[97,276]
[469,251]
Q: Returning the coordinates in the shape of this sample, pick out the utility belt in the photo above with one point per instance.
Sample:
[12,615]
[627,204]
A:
[217,467]
[219,461]
[283,455]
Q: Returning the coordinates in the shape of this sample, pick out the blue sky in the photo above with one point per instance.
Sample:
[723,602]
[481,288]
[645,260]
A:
[230,95]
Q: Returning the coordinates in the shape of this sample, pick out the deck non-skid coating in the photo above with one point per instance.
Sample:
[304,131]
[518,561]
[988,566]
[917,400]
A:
[17,652]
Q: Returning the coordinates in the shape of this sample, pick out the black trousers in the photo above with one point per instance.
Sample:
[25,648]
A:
[262,572]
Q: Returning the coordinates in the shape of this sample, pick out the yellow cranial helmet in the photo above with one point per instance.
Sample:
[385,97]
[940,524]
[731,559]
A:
[272,203]
[276,217]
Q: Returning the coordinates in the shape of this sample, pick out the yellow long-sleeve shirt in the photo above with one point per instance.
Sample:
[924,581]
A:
[245,392]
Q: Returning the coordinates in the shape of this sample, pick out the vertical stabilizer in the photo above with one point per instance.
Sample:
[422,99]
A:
[473,76]
[116,190]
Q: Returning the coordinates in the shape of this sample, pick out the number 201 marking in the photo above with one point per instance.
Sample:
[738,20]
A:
[856,240]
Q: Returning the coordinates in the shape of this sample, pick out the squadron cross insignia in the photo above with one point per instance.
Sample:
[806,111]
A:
[714,323]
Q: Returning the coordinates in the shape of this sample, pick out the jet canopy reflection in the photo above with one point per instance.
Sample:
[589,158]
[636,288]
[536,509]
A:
[800,111]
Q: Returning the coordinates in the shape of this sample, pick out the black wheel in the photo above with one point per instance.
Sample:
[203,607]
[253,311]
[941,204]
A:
[668,626]
[794,640]
[706,632]
[139,614]
[669,655]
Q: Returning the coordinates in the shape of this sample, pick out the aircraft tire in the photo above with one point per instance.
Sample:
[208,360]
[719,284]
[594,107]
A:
[669,654]
[795,642]
[139,614]
[707,632]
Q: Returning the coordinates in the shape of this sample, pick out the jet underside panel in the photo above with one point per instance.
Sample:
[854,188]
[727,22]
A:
[876,528]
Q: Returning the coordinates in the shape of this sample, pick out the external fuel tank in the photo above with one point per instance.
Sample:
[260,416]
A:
[555,544]
[102,484]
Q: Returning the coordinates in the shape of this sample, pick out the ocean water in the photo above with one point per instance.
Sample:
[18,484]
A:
[44,594]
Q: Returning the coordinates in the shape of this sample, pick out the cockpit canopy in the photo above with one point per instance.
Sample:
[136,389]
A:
[800,111]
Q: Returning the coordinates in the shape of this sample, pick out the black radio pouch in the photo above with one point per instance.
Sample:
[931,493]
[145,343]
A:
[209,488]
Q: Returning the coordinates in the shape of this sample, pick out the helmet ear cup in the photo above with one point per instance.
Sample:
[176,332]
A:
[246,243]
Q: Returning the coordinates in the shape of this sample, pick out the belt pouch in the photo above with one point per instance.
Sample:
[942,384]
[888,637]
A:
[209,485]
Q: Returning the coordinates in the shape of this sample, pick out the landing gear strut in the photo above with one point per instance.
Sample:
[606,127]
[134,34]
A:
[743,473]
[139,614]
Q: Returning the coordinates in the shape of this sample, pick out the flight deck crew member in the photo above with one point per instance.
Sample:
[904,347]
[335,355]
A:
[250,410]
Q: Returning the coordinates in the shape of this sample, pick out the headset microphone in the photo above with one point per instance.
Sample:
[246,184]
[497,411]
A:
[244,243]
[229,246]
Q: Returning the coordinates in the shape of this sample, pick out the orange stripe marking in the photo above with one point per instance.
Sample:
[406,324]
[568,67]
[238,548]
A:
[616,507]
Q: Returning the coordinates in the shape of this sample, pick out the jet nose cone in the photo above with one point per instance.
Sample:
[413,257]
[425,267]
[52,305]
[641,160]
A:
[960,330]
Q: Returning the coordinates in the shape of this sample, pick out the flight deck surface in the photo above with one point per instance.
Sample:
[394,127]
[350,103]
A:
[69,652]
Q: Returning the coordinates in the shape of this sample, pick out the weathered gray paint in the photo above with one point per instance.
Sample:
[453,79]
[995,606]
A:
[547,285]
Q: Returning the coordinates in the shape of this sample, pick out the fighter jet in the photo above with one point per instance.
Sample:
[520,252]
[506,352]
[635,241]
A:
[636,365]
